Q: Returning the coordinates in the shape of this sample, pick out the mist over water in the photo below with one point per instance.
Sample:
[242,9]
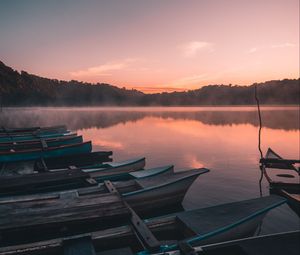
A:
[223,139]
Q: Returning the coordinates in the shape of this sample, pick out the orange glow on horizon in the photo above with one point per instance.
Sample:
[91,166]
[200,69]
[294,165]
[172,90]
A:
[153,46]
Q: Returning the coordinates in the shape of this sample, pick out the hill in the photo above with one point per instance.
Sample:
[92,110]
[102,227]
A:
[24,89]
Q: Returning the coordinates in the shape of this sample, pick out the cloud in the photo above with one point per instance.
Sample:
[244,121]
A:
[192,48]
[103,70]
[273,46]
[252,50]
[283,45]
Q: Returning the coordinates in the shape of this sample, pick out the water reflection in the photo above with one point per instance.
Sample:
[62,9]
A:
[83,118]
[222,139]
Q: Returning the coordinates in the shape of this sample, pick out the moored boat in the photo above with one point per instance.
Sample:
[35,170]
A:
[117,170]
[276,244]
[32,129]
[283,178]
[35,133]
[123,170]
[32,154]
[161,179]
[274,160]
[79,160]
[40,144]
[43,215]
[33,136]
[197,227]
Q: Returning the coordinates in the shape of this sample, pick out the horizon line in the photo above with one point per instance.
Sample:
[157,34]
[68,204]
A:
[150,89]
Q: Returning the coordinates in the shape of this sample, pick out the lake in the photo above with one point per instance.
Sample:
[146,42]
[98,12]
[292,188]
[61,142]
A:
[223,139]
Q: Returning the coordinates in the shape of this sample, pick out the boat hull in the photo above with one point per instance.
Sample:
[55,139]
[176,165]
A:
[44,214]
[38,144]
[80,160]
[169,227]
[162,196]
[46,153]
[33,129]
[28,137]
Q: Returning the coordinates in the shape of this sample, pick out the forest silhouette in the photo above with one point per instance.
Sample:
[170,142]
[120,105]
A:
[24,89]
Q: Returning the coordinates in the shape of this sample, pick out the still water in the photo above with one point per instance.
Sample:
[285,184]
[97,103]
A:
[223,139]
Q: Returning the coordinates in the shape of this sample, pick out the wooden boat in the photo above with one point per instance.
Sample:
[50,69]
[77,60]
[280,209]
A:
[197,227]
[276,244]
[44,182]
[64,161]
[283,178]
[32,129]
[33,154]
[78,160]
[40,144]
[293,199]
[274,160]
[37,139]
[76,178]
[124,170]
[34,137]
[35,133]
[129,173]
[88,208]
[118,171]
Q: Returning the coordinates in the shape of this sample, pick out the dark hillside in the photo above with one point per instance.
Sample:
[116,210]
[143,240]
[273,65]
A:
[23,89]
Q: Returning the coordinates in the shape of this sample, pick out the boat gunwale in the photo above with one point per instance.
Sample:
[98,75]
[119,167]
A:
[134,161]
[167,168]
[65,146]
[137,192]
[225,228]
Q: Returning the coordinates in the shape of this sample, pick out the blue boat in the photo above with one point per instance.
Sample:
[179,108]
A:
[4,130]
[90,159]
[28,137]
[40,143]
[34,154]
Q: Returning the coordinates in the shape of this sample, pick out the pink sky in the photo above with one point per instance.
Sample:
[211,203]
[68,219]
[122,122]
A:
[153,45]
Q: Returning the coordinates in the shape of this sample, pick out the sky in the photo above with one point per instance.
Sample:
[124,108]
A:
[152,45]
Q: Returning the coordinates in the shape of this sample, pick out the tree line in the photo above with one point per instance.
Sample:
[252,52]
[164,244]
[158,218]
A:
[24,89]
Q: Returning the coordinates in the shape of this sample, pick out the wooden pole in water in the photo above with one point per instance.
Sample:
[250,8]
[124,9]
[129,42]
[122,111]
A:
[262,167]
[1,102]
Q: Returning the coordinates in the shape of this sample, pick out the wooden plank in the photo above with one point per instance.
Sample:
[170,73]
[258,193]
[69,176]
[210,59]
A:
[143,232]
[79,246]
[31,221]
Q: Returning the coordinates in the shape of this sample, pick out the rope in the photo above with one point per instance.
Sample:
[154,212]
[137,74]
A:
[259,140]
